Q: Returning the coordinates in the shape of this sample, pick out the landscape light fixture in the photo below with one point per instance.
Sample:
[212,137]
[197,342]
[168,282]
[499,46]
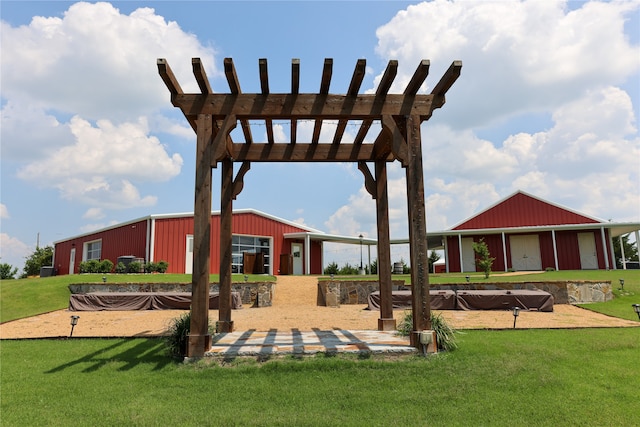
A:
[104,279]
[622,284]
[636,308]
[331,276]
[467,277]
[246,278]
[74,322]
[516,312]
[361,269]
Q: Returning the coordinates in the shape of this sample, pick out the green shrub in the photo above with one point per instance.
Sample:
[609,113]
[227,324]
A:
[134,267]
[163,266]
[106,266]
[177,338]
[91,266]
[121,268]
[7,271]
[445,333]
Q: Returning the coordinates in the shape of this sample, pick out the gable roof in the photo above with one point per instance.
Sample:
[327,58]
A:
[524,210]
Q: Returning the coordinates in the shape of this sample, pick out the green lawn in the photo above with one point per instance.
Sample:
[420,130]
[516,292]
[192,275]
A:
[495,378]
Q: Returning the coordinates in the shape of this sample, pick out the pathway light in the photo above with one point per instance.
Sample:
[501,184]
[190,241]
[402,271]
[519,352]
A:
[74,322]
[516,313]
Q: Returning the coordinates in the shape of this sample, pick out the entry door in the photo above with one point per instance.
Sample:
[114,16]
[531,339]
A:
[525,253]
[588,256]
[72,261]
[296,251]
[188,261]
[468,255]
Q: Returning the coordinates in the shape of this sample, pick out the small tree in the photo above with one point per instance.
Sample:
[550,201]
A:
[40,257]
[433,258]
[6,271]
[484,261]
[373,269]
[332,268]
[630,250]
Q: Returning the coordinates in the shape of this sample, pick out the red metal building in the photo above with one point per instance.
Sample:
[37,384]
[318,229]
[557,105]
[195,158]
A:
[524,232]
[276,245]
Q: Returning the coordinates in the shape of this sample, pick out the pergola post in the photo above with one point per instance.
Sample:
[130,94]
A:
[199,337]
[421,309]
[386,322]
[225,324]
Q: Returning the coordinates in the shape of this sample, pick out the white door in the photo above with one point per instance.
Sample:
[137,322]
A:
[468,255]
[296,251]
[72,261]
[525,253]
[188,260]
[587,247]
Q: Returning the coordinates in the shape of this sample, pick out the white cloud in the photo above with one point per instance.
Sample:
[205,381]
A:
[100,167]
[94,213]
[97,62]
[13,251]
[517,56]
[4,212]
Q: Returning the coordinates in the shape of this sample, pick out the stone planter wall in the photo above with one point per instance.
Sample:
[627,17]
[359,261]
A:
[334,293]
[256,294]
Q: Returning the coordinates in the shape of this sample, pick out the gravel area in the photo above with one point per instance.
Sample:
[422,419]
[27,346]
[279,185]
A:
[294,306]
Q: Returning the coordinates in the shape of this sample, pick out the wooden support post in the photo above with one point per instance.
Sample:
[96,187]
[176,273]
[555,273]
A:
[421,309]
[199,337]
[386,322]
[225,324]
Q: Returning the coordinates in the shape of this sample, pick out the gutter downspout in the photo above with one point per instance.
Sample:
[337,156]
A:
[555,249]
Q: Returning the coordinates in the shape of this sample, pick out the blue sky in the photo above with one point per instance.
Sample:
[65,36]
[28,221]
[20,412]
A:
[547,103]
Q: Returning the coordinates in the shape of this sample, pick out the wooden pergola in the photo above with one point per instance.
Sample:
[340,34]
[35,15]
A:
[214,115]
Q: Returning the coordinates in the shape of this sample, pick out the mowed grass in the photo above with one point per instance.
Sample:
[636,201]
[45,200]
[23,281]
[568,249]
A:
[495,378]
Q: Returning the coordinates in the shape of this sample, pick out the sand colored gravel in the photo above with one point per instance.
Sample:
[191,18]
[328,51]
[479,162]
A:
[294,306]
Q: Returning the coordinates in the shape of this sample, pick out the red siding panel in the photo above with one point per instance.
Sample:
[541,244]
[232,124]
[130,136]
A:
[522,210]
[129,239]
[171,238]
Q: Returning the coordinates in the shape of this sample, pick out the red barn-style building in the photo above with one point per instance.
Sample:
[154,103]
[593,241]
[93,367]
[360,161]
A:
[524,232]
[275,245]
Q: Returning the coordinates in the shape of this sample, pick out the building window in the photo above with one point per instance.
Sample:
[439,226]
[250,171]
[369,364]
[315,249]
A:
[250,244]
[92,250]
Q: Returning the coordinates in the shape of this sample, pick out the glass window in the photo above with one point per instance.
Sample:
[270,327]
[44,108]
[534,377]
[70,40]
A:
[93,250]
[250,244]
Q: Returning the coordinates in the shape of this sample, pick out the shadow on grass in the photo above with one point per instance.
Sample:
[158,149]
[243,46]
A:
[147,351]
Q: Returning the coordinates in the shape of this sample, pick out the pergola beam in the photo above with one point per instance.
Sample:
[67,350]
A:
[234,87]
[325,82]
[354,88]
[307,152]
[446,81]
[295,89]
[285,106]
[383,88]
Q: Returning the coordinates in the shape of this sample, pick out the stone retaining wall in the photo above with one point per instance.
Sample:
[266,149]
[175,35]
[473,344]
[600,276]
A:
[333,293]
[256,294]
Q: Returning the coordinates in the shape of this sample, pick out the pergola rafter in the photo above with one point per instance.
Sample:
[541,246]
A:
[213,116]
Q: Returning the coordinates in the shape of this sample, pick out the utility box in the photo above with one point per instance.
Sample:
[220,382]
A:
[128,259]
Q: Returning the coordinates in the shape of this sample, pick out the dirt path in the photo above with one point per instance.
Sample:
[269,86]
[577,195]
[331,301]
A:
[294,307]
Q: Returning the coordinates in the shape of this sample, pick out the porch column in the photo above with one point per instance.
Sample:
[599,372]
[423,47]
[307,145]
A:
[604,248]
[307,255]
[225,324]
[504,252]
[460,253]
[386,322]
[555,249]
